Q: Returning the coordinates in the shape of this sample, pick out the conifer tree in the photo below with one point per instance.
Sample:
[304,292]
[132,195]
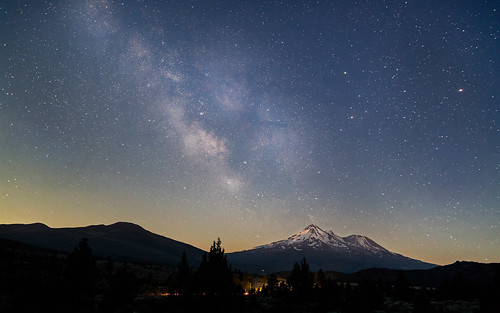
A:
[215,274]
[320,279]
[301,280]
[184,279]
[272,285]
[81,270]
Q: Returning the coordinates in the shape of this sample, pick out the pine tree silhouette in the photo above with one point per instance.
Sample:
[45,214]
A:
[215,275]
[184,277]
[301,280]
[81,270]
[320,279]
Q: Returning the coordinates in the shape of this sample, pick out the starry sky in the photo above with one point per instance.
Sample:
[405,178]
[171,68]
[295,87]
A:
[253,119]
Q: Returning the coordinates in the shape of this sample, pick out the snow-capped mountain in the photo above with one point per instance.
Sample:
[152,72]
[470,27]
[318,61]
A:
[130,242]
[364,243]
[322,249]
[316,238]
[311,236]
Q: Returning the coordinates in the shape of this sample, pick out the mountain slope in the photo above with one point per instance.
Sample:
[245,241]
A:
[120,241]
[130,242]
[474,273]
[322,249]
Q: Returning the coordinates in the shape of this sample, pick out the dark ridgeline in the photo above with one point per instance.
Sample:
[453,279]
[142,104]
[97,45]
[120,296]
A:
[132,243]
[119,241]
[42,280]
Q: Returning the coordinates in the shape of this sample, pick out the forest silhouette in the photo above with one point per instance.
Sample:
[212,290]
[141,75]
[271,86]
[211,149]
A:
[41,280]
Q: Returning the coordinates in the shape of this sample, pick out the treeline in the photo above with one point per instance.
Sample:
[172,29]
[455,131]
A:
[213,277]
[34,280]
[304,290]
[37,280]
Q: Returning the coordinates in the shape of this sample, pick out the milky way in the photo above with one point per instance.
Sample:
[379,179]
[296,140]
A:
[249,121]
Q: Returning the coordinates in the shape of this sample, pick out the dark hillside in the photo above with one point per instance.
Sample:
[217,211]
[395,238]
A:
[119,241]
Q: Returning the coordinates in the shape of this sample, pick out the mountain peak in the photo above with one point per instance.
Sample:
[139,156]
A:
[310,237]
[313,237]
[312,226]
[323,249]
[365,243]
[313,230]
[126,226]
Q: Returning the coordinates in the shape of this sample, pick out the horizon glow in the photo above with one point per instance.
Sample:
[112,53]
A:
[250,121]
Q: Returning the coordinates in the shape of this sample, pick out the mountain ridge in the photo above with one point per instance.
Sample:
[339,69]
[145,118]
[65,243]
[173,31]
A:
[325,250]
[122,241]
[130,242]
[317,238]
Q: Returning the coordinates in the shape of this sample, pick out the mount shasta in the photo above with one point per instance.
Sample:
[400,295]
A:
[323,250]
[129,242]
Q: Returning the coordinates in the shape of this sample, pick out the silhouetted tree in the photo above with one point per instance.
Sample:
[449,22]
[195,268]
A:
[301,280]
[123,288]
[184,279]
[81,270]
[329,295]
[241,279]
[283,288]
[272,285]
[294,278]
[202,276]
[320,279]
[215,275]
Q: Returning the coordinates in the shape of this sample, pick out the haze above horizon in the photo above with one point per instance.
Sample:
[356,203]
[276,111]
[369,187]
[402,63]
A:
[248,121]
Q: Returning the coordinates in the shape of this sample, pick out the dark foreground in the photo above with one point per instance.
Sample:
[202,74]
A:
[254,303]
[40,280]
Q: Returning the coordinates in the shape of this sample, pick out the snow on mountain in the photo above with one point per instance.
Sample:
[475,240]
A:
[323,250]
[365,243]
[316,238]
[312,236]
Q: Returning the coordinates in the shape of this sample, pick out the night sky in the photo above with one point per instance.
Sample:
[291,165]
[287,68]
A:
[249,121]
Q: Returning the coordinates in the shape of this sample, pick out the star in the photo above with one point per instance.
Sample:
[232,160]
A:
[142,112]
